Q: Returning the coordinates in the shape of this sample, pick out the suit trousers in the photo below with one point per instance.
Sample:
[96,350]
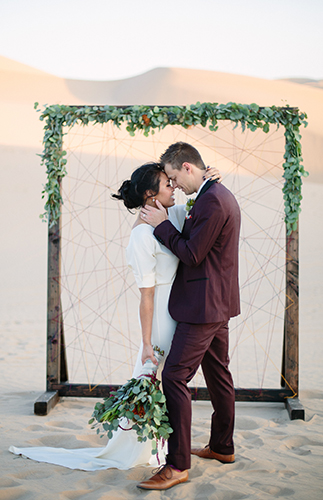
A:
[195,345]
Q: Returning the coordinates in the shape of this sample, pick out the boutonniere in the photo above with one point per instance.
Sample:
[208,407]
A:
[188,207]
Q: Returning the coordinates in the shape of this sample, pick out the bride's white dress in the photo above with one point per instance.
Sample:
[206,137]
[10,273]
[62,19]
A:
[152,265]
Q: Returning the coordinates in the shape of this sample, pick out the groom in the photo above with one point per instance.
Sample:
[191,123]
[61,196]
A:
[204,296]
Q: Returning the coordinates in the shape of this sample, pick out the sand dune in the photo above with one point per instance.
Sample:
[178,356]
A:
[21,86]
[275,457]
[304,81]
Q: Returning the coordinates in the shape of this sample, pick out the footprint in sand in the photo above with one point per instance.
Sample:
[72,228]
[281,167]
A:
[246,424]
[197,471]
[279,436]
[223,495]
[35,427]
[296,443]
[7,482]
[32,474]
[14,494]
[250,439]
[64,425]
[301,452]
[74,494]
[275,491]
[59,441]
[240,464]
[205,490]
[286,474]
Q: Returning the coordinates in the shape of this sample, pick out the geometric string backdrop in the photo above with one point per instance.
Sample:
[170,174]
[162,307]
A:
[99,295]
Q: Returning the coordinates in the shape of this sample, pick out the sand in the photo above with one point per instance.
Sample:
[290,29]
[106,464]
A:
[275,457]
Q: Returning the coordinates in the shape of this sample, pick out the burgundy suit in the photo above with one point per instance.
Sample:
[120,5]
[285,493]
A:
[204,296]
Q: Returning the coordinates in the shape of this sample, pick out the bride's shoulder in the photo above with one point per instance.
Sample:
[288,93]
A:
[141,234]
[141,229]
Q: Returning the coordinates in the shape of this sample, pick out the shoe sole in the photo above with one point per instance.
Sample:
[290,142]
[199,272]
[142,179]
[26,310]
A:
[161,489]
[214,458]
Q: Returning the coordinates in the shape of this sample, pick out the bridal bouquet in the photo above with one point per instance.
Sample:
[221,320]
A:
[139,405]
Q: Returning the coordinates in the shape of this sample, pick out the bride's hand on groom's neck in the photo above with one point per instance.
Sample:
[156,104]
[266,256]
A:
[213,174]
[154,216]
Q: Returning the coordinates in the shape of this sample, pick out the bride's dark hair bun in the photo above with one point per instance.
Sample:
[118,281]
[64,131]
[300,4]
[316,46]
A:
[124,190]
[145,178]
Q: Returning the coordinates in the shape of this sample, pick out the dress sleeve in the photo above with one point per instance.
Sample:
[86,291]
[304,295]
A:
[141,257]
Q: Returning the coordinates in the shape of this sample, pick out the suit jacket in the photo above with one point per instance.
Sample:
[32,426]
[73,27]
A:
[206,287]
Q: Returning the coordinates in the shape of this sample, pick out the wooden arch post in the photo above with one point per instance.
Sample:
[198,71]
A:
[56,355]
[290,358]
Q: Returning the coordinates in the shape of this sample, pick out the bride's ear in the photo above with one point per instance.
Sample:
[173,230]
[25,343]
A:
[148,195]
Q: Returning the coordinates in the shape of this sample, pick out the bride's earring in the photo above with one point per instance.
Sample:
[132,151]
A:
[154,200]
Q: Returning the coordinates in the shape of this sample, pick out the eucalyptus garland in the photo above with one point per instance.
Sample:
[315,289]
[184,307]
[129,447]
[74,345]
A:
[148,118]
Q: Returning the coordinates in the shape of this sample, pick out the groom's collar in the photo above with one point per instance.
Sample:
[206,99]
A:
[201,187]
[204,187]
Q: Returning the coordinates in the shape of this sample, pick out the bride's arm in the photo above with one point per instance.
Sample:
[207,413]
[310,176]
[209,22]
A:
[146,311]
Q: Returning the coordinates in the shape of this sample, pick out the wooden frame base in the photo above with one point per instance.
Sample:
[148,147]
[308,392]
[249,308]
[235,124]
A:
[295,409]
[50,398]
[46,402]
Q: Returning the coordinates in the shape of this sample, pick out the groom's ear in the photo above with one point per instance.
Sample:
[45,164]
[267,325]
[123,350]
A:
[187,167]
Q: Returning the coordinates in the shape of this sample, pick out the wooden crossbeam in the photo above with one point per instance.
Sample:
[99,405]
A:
[48,400]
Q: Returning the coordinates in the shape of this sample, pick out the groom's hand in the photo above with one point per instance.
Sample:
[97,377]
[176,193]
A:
[154,216]
[148,353]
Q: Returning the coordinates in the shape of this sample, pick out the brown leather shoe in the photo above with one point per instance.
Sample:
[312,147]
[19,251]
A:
[165,478]
[208,453]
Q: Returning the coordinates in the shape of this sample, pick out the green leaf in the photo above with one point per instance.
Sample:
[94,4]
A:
[269,112]
[115,424]
[154,445]
[254,107]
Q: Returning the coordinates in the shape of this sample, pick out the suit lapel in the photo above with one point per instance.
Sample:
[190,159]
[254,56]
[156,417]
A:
[206,186]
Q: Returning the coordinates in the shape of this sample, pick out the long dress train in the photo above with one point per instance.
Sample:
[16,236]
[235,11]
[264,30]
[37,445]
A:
[152,265]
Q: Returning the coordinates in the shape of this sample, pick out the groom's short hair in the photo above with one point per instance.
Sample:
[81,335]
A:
[180,152]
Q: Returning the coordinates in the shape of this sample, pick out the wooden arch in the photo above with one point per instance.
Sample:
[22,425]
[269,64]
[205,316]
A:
[57,371]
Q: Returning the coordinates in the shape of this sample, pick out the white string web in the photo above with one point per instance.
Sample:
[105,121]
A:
[99,295]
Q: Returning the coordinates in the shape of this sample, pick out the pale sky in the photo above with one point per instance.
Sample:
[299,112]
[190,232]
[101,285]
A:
[113,39]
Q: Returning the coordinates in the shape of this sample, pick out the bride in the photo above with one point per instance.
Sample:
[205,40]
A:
[154,268]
